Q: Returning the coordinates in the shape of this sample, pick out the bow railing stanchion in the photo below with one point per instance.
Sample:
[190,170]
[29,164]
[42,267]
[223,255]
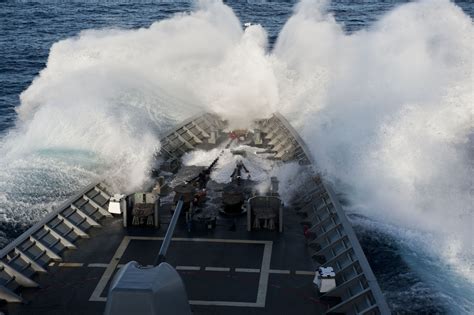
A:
[169,234]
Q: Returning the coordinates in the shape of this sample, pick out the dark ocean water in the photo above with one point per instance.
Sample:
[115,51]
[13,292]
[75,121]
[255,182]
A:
[29,28]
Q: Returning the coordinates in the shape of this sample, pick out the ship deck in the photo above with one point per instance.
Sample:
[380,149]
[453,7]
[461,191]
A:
[65,263]
[225,271]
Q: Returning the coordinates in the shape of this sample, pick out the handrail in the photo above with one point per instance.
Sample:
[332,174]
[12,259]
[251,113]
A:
[183,123]
[50,216]
[296,136]
[369,275]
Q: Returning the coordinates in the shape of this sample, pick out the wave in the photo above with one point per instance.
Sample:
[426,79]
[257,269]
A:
[386,110]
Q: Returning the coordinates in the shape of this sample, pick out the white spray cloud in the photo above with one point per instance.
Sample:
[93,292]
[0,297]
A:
[259,168]
[108,94]
[393,113]
[387,110]
[111,92]
[243,85]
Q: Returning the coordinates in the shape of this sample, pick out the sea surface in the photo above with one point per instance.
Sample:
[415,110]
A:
[28,29]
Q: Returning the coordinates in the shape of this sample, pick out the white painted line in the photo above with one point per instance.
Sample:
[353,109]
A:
[304,273]
[263,281]
[247,270]
[279,271]
[70,264]
[207,303]
[217,269]
[223,303]
[189,268]
[97,265]
[210,240]
[109,271]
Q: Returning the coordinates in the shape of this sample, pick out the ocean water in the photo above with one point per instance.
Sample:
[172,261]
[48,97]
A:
[380,90]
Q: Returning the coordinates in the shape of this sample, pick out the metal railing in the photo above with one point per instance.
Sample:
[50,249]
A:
[335,242]
[30,253]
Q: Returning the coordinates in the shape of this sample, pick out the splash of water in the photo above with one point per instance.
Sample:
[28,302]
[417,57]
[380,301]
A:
[385,110]
[394,114]
[260,168]
[108,94]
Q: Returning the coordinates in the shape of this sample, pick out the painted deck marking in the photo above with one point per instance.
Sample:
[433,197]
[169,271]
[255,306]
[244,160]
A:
[247,270]
[217,269]
[188,268]
[97,265]
[304,273]
[263,281]
[109,271]
[223,303]
[262,284]
[279,271]
[194,268]
[207,240]
[70,264]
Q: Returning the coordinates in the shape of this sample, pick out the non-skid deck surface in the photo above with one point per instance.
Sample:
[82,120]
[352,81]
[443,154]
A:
[224,271]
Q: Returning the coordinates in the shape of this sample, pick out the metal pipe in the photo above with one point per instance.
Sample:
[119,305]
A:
[169,233]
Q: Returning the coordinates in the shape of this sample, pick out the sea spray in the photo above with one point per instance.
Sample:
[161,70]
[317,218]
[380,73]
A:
[385,110]
[261,169]
[393,117]
[107,95]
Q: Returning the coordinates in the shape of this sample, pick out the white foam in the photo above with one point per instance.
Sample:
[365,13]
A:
[386,110]
[454,288]
[258,167]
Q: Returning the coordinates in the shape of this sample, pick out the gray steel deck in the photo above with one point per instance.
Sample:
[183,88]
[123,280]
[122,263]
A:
[333,241]
[225,272]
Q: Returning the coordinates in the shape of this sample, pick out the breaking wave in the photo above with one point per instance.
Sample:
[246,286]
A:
[260,168]
[386,111]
